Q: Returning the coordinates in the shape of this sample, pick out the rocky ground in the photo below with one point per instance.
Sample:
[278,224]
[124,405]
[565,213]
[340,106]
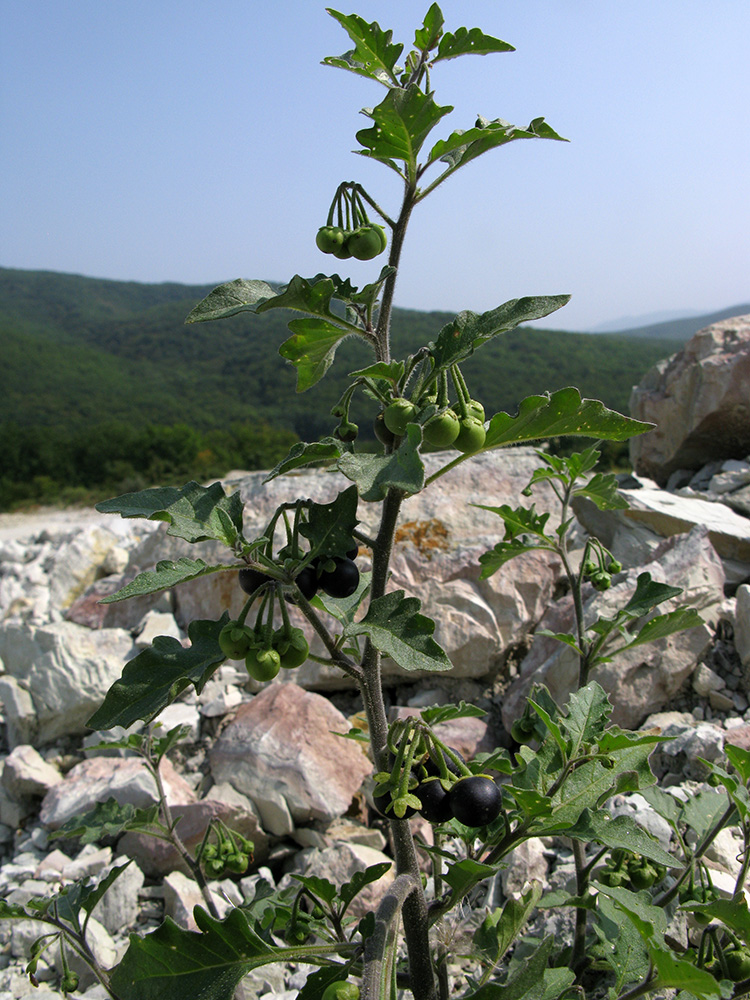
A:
[263,757]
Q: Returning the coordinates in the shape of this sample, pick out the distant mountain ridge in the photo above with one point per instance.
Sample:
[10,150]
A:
[682,327]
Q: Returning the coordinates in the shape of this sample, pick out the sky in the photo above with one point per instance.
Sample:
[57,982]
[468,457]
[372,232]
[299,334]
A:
[182,140]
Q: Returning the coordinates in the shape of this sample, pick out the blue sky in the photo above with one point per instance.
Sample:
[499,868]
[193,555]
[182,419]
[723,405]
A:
[178,140]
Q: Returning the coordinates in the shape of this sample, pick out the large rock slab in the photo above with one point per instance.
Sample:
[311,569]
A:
[125,779]
[65,668]
[699,401]
[666,514]
[438,544]
[642,680]
[281,752]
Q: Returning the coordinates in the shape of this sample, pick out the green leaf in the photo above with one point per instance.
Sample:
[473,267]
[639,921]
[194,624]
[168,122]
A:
[500,928]
[349,890]
[153,679]
[175,964]
[304,453]
[436,714]
[663,625]
[231,298]
[519,520]
[195,513]
[461,147]
[427,37]
[469,41]
[403,120]
[166,575]
[702,809]
[530,979]
[620,832]
[392,372]
[108,819]
[329,526]
[320,887]
[739,759]
[561,413]
[648,593]
[374,475]
[589,710]
[665,804]
[468,331]
[395,627]
[624,949]
[602,489]
[502,553]
[464,875]
[651,921]
[374,54]
[732,912]
[311,349]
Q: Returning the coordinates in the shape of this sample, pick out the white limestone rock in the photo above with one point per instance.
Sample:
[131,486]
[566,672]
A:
[66,668]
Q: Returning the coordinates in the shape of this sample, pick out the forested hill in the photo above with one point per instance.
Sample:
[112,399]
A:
[82,349]
[96,374]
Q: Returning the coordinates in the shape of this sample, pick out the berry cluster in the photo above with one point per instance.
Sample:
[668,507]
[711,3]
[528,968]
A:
[224,851]
[429,778]
[354,236]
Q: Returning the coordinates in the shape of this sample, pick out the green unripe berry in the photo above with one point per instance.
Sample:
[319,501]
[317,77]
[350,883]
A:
[329,239]
[471,435]
[263,664]
[341,991]
[365,243]
[398,415]
[292,647]
[236,640]
[441,431]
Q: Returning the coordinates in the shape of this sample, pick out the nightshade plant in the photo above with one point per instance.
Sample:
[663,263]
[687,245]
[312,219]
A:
[570,760]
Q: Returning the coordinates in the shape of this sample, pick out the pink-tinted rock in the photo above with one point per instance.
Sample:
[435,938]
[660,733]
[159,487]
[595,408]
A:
[700,402]
[280,750]
[125,779]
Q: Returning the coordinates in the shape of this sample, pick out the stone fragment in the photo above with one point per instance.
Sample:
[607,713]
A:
[78,562]
[182,895]
[153,624]
[705,681]
[742,628]
[698,400]
[280,750]
[679,756]
[178,714]
[27,774]
[18,709]
[338,863]
[118,908]
[66,668]
[525,862]
[157,857]
[125,779]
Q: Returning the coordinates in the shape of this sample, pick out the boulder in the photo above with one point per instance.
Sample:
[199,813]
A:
[65,668]
[125,779]
[698,399]
[281,752]
[641,680]
[438,544]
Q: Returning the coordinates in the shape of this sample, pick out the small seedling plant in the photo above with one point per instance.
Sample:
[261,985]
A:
[627,891]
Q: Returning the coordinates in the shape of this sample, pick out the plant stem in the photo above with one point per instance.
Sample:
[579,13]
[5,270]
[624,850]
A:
[193,866]
[416,924]
[383,347]
[579,941]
